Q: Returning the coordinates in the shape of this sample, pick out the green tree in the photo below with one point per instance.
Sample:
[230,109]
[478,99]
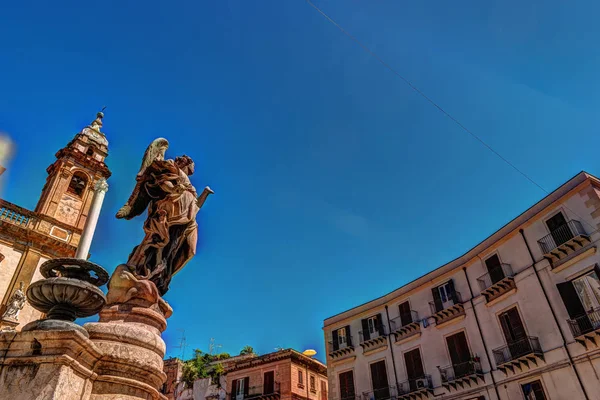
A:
[200,367]
[247,350]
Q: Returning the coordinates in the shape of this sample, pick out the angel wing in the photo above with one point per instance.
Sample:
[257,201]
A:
[139,199]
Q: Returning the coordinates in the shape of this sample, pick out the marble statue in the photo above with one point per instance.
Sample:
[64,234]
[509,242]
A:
[15,304]
[164,189]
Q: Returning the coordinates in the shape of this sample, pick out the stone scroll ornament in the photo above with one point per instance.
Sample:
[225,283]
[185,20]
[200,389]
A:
[163,188]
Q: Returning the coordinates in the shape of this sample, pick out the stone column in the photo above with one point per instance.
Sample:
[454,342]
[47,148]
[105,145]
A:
[100,189]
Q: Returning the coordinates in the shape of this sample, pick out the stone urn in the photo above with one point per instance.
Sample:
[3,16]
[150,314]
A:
[69,291]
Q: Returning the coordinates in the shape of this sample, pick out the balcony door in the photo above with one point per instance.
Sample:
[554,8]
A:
[379,379]
[269,383]
[241,388]
[460,355]
[514,333]
[347,385]
[405,315]
[446,294]
[560,231]
[582,300]
[414,368]
[372,327]
[494,268]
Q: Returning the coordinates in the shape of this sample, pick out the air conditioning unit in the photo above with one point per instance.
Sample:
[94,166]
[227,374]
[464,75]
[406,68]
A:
[422,383]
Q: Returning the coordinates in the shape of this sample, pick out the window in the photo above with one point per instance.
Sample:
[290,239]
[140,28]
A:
[269,382]
[300,378]
[372,322]
[77,184]
[581,297]
[90,151]
[533,391]
[405,314]
[560,231]
[347,385]
[342,338]
[371,327]
[460,355]
[494,268]
[323,390]
[444,296]
[313,384]
[414,368]
[588,290]
[379,380]
[240,388]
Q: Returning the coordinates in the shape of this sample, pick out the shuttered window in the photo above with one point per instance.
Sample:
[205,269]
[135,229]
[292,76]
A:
[347,385]
[534,391]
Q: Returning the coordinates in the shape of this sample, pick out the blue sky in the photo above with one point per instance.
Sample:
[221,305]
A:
[335,183]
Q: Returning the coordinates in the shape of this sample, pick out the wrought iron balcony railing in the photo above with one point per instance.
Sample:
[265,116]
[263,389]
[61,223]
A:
[455,299]
[513,351]
[255,392]
[373,340]
[589,322]
[414,385]
[404,320]
[562,236]
[388,392]
[494,276]
[379,332]
[454,372]
[339,348]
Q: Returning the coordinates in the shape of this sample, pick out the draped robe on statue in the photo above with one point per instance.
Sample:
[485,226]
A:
[171,228]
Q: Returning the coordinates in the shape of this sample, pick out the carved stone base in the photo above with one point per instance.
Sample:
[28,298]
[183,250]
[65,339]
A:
[8,325]
[132,365]
[47,365]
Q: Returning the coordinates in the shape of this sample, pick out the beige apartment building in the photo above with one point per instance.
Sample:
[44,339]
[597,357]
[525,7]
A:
[516,317]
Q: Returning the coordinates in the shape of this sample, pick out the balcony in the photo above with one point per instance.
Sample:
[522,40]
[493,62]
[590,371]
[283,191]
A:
[459,376]
[449,310]
[496,282]
[376,340]
[258,392]
[412,389]
[406,327]
[563,241]
[388,392]
[341,350]
[14,214]
[518,354]
[586,328]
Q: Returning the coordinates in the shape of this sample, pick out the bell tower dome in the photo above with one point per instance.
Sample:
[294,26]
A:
[73,177]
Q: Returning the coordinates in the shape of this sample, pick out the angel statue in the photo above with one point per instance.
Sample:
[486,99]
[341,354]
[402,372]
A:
[163,188]
[15,304]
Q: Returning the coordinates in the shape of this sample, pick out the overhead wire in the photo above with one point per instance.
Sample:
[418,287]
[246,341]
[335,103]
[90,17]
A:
[440,108]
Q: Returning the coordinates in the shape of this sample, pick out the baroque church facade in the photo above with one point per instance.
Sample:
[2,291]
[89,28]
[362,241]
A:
[57,227]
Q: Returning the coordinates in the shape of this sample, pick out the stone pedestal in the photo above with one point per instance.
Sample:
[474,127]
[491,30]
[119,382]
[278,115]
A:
[132,364]
[47,365]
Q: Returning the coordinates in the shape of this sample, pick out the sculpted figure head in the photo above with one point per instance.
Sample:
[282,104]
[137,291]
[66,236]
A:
[186,164]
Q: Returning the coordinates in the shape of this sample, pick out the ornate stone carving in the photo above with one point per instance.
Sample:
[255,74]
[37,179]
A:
[164,188]
[101,185]
[69,291]
[15,304]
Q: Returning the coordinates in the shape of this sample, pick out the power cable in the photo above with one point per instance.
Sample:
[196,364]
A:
[436,105]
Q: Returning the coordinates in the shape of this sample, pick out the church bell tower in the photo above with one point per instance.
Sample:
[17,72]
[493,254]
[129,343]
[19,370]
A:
[73,180]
